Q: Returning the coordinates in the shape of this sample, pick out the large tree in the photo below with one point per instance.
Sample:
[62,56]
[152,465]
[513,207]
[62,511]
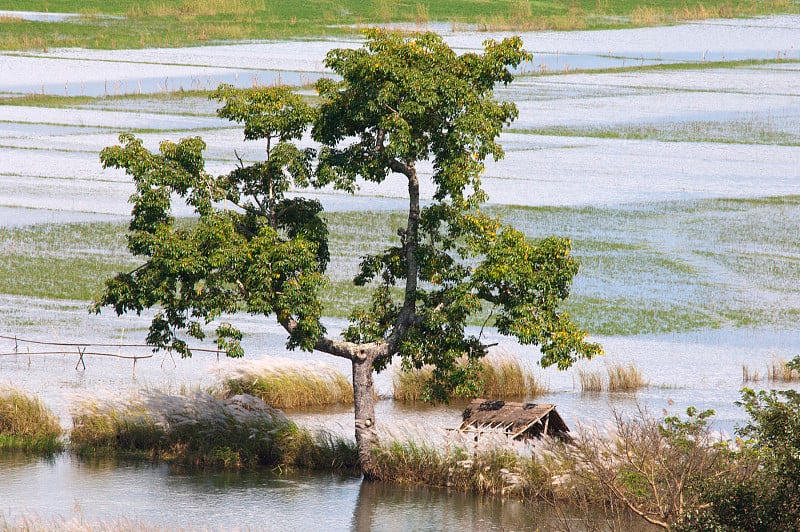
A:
[396,102]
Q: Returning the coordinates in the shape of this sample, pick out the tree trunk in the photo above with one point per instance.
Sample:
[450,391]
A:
[364,404]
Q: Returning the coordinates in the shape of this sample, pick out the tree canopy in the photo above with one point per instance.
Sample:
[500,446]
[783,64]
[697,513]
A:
[398,101]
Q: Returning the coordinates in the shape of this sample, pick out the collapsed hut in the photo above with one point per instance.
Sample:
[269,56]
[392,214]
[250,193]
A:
[519,421]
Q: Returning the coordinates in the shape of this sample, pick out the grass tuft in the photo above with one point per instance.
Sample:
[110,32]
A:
[618,378]
[590,381]
[625,378]
[283,383]
[501,377]
[27,425]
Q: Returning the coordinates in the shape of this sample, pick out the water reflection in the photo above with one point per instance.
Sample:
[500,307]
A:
[382,506]
[159,495]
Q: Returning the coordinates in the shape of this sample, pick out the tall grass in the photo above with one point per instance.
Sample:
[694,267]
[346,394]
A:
[625,378]
[77,523]
[283,383]
[27,425]
[200,430]
[749,375]
[494,464]
[591,381]
[501,377]
[780,370]
[618,378]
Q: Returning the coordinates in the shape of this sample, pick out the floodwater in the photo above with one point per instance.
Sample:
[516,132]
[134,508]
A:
[50,173]
[157,495]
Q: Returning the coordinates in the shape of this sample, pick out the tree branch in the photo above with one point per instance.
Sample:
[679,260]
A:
[341,348]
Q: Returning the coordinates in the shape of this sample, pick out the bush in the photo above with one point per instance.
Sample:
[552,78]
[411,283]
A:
[199,429]
[650,467]
[26,424]
[763,492]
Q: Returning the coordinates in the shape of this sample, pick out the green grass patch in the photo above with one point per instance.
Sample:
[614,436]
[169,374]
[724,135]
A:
[191,22]
[755,131]
[201,430]
[27,425]
[656,67]
[288,384]
[677,266]
[62,261]
[79,278]
[500,378]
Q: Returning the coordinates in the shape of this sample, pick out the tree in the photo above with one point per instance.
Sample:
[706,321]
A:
[400,100]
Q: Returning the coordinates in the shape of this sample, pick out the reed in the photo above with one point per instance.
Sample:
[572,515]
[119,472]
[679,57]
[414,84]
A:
[283,383]
[625,378]
[76,523]
[590,381]
[27,425]
[618,378]
[779,370]
[749,375]
[198,429]
[500,377]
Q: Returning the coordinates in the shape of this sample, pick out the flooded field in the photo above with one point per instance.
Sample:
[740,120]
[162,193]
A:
[679,186]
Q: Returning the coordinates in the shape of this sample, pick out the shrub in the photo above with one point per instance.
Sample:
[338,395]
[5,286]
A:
[649,467]
[763,493]
[199,429]
[26,424]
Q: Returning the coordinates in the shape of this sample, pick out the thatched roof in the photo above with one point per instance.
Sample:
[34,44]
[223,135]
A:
[518,420]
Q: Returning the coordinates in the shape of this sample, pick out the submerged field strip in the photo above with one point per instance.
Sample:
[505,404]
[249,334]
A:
[645,268]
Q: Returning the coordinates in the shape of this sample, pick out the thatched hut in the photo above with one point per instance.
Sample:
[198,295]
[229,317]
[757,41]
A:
[520,421]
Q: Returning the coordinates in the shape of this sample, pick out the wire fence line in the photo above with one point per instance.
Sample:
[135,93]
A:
[32,347]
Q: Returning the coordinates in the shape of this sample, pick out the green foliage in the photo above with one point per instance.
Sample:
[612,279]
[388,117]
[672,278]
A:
[761,492]
[406,99]
[774,429]
[267,257]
